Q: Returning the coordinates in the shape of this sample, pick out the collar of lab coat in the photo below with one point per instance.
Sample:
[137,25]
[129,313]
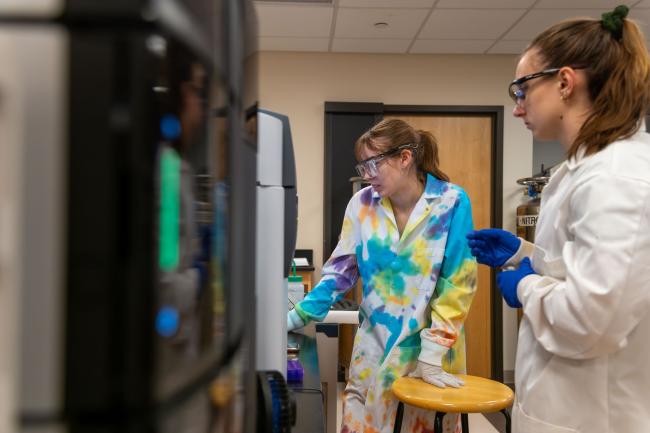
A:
[433,189]
[576,161]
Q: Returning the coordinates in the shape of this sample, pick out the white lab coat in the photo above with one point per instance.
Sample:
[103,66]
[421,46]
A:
[583,355]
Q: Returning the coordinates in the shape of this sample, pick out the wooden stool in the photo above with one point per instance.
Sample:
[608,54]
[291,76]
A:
[477,395]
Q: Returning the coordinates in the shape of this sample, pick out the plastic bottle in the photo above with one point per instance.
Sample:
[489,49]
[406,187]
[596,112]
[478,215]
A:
[296,290]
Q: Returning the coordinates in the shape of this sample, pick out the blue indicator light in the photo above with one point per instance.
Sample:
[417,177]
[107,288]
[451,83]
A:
[167,321]
[170,127]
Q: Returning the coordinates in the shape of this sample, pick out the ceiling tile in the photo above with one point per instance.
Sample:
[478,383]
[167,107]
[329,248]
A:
[268,43]
[482,4]
[353,45]
[508,47]
[642,17]
[535,21]
[446,46]
[398,4]
[469,24]
[359,23]
[294,20]
[577,4]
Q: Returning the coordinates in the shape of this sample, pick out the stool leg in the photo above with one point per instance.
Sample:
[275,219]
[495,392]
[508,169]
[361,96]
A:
[398,417]
[437,423]
[464,422]
[507,415]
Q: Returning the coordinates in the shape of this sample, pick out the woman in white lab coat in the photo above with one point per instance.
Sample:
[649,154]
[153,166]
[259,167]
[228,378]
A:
[583,355]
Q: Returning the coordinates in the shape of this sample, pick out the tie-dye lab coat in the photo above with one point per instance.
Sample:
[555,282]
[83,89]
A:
[417,285]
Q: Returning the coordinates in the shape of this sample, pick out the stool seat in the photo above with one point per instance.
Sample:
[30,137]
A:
[477,395]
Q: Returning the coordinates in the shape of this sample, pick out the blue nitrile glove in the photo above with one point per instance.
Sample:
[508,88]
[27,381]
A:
[493,247]
[509,280]
[294,321]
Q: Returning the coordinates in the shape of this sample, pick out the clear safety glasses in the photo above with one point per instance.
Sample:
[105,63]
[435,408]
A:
[370,167]
[517,89]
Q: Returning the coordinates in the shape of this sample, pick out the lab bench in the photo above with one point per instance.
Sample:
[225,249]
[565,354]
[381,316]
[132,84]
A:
[316,396]
[310,417]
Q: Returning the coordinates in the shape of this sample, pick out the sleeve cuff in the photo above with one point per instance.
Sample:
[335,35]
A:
[431,352]
[294,321]
[525,250]
[521,287]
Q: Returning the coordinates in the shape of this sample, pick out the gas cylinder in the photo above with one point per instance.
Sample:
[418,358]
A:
[528,211]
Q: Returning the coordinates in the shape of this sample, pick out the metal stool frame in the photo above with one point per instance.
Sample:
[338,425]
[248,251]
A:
[437,423]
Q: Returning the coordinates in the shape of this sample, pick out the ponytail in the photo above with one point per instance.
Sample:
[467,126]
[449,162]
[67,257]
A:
[426,156]
[615,59]
[620,95]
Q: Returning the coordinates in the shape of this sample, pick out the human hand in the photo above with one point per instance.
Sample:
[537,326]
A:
[294,321]
[509,280]
[435,375]
[493,247]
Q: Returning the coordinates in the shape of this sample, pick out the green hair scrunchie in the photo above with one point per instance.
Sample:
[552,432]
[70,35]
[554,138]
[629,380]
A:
[613,21]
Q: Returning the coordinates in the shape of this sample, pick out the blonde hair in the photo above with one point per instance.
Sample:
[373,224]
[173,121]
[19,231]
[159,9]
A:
[392,133]
[618,75]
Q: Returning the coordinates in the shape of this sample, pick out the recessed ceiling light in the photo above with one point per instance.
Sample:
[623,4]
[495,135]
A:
[381,25]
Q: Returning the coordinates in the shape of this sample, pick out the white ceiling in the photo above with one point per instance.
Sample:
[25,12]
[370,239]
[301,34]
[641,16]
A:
[421,26]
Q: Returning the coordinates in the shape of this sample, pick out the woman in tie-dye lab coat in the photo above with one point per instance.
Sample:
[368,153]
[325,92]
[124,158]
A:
[405,237]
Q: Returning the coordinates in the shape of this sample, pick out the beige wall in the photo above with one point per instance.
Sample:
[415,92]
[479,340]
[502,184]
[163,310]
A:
[10,225]
[298,84]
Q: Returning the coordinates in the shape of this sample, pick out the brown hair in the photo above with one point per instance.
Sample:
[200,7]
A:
[618,75]
[392,133]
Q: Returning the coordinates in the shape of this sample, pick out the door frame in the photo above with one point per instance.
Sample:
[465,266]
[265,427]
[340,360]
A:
[495,112]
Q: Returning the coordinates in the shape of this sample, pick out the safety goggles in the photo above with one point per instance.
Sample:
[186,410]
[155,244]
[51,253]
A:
[370,167]
[517,89]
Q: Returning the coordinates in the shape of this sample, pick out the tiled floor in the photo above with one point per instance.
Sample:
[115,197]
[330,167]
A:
[477,422]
